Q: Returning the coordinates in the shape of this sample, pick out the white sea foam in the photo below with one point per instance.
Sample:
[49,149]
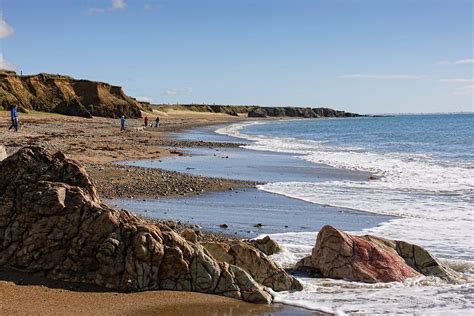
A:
[433,200]
[422,295]
[441,224]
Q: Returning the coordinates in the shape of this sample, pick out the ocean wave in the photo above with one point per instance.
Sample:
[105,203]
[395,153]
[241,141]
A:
[399,170]
[431,198]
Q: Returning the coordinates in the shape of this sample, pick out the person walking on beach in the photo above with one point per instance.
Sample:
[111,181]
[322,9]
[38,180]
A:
[14,117]
[157,122]
[122,123]
[146,121]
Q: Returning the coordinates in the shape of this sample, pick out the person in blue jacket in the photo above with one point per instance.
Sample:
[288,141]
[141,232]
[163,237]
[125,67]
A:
[14,117]
[122,123]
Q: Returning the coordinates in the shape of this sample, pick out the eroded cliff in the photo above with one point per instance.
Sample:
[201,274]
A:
[65,95]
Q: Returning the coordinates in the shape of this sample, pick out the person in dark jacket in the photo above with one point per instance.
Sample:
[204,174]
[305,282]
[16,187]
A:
[122,123]
[14,117]
[146,121]
[157,122]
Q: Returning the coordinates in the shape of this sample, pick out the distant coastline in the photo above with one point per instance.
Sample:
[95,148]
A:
[257,111]
[62,94]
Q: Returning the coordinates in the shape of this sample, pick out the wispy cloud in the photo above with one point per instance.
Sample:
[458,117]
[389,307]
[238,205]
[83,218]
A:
[114,6]
[466,61]
[5,64]
[96,10]
[457,80]
[118,4]
[382,77]
[152,6]
[5,29]
[178,92]
[144,99]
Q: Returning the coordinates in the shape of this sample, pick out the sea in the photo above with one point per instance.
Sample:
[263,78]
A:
[423,175]
[404,177]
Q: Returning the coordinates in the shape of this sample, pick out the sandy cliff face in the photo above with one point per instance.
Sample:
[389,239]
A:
[65,95]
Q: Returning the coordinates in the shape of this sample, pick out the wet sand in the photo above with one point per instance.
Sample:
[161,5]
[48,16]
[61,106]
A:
[23,294]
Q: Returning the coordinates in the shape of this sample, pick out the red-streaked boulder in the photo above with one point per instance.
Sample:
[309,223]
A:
[340,255]
[418,258]
[371,259]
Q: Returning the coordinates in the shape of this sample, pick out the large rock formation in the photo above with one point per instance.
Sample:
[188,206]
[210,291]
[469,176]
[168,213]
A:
[52,223]
[370,259]
[262,269]
[65,95]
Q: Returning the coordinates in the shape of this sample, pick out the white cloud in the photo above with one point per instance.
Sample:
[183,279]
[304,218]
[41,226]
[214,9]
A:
[382,77]
[5,29]
[118,4]
[151,6]
[144,99]
[95,10]
[115,5]
[171,92]
[178,92]
[457,80]
[5,64]
[466,61]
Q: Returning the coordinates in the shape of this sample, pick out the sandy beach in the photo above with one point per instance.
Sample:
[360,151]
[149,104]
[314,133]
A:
[99,140]
[22,294]
[97,143]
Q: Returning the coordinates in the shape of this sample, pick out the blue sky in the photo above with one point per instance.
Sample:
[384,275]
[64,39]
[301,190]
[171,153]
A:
[361,56]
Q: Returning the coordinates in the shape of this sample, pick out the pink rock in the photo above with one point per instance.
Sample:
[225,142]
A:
[343,256]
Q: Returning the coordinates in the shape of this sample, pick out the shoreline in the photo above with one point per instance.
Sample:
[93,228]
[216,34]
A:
[97,144]
[244,212]
[296,243]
